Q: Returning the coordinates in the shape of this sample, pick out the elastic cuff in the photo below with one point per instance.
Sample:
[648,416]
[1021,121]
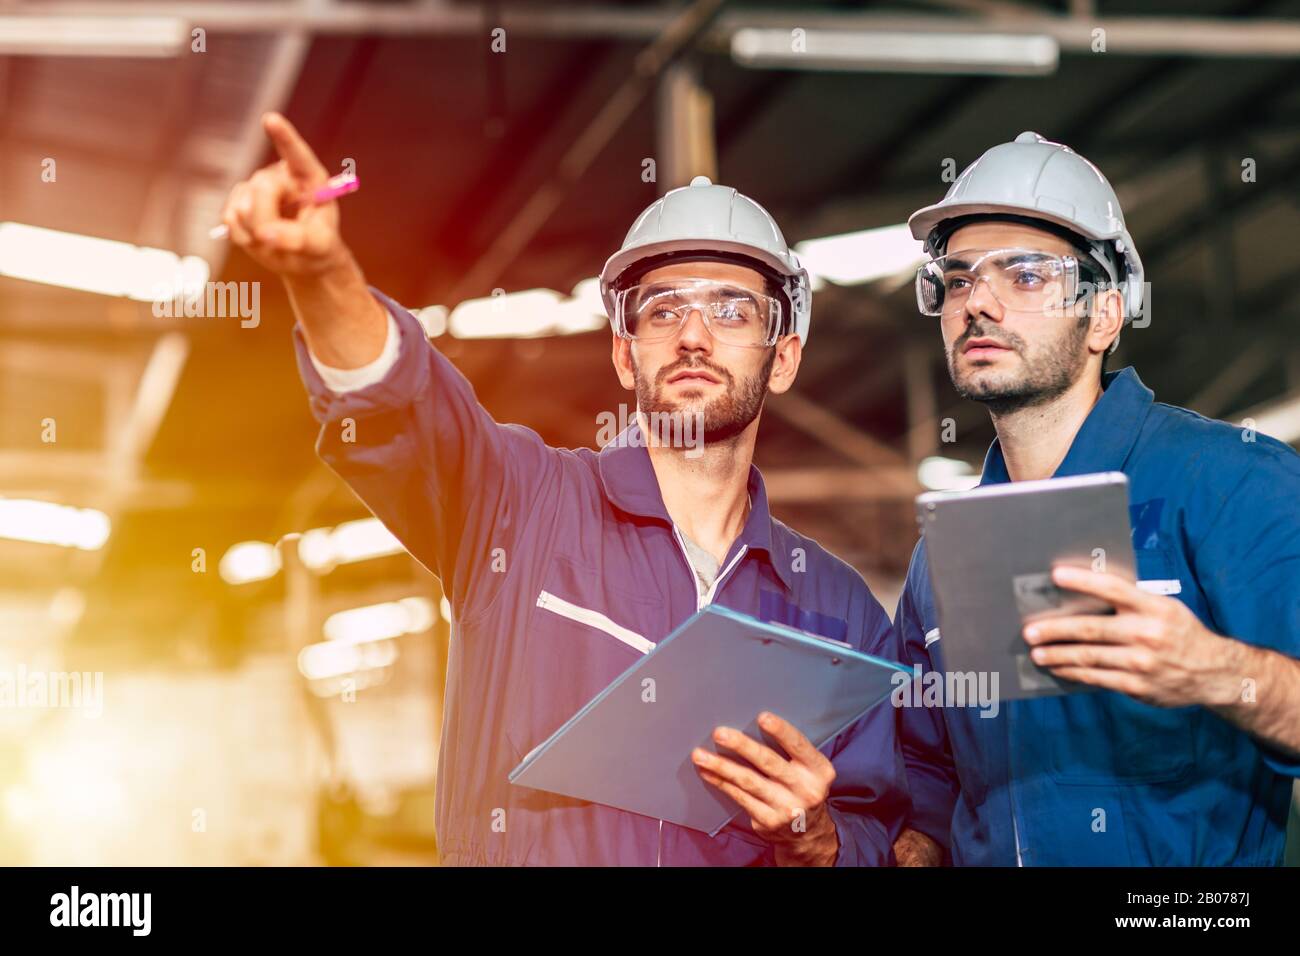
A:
[343,380]
[851,837]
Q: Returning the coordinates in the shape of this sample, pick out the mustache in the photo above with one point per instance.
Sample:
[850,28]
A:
[684,363]
[1013,342]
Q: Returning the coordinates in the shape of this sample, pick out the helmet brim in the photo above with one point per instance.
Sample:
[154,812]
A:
[625,259]
[924,221]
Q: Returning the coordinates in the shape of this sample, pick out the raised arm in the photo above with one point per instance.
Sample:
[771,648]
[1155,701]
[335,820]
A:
[269,218]
[459,490]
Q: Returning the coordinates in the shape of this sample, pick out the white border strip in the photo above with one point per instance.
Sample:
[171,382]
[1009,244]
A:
[594,619]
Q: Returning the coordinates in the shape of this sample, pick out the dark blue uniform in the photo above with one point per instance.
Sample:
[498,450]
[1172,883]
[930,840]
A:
[562,568]
[1100,778]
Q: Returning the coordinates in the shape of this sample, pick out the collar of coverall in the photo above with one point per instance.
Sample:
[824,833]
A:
[630,484]
[1103,441]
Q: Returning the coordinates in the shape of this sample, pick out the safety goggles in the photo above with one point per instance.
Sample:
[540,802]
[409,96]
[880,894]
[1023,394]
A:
[733,314]
[1021,280]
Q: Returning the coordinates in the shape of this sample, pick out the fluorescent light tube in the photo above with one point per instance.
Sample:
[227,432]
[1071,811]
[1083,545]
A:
[894,52]
[90,264]
[856,257]
[22,35]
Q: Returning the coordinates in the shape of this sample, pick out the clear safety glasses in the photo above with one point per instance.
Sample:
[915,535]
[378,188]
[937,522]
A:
[1022,280]
[733,314]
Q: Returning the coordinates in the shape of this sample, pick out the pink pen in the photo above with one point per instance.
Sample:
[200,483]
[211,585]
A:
[337,186]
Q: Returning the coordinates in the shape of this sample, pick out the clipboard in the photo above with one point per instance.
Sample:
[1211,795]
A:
[630,746]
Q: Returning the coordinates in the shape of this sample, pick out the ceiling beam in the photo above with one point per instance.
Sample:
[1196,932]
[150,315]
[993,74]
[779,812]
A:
[1151,84]
[275,85]
[678,35]
[518,166]
[1211,37]
[1281,174]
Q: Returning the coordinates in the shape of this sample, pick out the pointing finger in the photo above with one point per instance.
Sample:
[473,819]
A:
[293,149]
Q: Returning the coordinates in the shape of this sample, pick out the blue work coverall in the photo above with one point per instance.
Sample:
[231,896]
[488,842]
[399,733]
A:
[562,567]
[1100,778]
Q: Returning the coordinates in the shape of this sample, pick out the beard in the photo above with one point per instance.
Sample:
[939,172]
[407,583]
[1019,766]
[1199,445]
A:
[724,417]
[1046,371]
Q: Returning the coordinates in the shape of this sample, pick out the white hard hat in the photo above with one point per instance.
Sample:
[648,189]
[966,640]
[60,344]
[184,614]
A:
[1034,178]
[712,221]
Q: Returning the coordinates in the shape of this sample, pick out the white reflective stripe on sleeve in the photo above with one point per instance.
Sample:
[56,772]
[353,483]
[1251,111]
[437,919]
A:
[931,636]
[594,619]
[1155,586]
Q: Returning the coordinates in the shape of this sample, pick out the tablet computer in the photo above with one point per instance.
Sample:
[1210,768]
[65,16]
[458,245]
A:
[991,552]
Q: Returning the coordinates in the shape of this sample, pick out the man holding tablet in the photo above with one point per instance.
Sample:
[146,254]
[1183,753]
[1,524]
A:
[563,567]
[1185,750]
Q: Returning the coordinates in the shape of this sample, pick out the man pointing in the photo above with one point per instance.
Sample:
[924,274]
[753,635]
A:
[597,555]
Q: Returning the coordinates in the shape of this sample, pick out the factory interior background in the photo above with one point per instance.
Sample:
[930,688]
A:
[272,661]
